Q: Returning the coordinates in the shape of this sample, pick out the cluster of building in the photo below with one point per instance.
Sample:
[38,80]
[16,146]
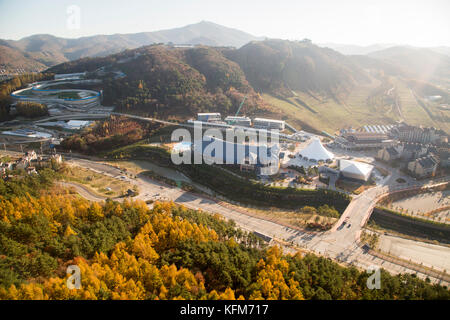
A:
[421,150]
[421,160]
[407,133]
[29,162]
[349,169]
[357,140]
[384,136]
[313,153]
[258,123]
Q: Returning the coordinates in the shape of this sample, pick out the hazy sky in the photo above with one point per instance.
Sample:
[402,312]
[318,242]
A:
[362,22]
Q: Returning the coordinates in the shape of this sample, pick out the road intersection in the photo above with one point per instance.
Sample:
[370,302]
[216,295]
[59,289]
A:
[339,243]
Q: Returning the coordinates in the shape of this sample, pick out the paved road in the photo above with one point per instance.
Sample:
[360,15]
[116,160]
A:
[339,243]
[83,191]
[430,255]
[148,188]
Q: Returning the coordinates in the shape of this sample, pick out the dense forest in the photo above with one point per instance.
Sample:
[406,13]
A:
[109,134]
[31,109]
[127,251]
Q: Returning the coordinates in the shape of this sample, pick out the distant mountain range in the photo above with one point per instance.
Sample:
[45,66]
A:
[40,51]
[419,63]
[425,64]
[350,49]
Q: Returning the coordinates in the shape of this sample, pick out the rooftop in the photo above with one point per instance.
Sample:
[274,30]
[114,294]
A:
[428,161]
[392,151]
[315,150]
[237,118]
[268,120]
[367,136]
[355,167]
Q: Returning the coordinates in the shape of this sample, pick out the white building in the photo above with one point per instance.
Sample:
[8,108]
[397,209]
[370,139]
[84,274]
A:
[79,75]
[77,124]
[261,157]
[239,121]
[355,170]
[209,117]
[263,123]
[316,151]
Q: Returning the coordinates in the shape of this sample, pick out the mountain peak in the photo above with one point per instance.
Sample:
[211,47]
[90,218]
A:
[206,22]
[50,50]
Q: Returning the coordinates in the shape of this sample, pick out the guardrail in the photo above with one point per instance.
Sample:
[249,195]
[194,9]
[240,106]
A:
[439,275]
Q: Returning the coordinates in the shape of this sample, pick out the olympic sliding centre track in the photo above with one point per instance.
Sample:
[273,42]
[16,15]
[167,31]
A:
[75,98]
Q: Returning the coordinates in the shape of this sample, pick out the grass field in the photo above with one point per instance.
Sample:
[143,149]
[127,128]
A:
[364,105]
[136,167]
[97,183]
[68,95]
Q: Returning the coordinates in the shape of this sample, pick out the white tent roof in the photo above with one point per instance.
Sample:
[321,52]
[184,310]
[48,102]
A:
[315,150]
[356,168]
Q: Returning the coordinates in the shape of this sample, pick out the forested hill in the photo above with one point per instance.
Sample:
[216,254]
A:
[280,66]
[13,59]
[163,80]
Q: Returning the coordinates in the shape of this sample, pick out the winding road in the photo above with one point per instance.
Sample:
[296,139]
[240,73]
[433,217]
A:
[339,243]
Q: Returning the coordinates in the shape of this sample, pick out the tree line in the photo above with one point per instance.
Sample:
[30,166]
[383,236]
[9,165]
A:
[127,251]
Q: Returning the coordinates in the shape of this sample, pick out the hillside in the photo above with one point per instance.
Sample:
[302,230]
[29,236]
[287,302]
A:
[167,81]
[13,59]
[350,49]
[312,87]
[50,50]
[320,89]
[422,64]
[280,67]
